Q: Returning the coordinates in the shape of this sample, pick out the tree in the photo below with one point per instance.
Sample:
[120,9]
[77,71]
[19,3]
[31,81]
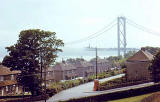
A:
[155,68]
[152,50]
[129,54]
[35,47]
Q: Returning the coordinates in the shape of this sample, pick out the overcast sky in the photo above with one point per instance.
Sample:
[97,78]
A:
[76,19]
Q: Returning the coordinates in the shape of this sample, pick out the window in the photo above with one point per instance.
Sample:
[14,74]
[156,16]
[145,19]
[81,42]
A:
[12,77]
[72,71]
[6,88]
[1,78]
[14,86]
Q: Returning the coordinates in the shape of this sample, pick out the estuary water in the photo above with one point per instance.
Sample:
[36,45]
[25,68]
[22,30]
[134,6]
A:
[72,53]
[83,53]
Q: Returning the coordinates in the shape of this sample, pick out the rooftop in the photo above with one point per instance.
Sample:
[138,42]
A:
[141,55]
[6,71]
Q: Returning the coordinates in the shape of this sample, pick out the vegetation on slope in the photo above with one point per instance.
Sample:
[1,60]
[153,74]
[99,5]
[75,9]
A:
[133,99]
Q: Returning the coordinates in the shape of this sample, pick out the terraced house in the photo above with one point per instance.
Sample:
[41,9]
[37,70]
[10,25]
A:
[102,65]
[84,68]
[50,77]
[8,83]
[64,71]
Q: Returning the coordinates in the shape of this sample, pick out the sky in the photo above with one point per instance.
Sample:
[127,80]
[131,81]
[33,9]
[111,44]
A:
[76,19]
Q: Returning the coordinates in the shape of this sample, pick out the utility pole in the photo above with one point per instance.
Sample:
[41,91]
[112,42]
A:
[41,63]
[121,35]
[96,82]
[96,62]
[45,82]
[41,68]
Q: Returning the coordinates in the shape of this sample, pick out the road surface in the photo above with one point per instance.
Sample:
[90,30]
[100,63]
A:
[80,91]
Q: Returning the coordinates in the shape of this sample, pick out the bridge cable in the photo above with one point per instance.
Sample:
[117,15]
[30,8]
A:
[99,32]
[145,29]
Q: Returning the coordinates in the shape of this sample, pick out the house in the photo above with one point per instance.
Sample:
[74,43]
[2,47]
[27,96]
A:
[84,68]
[102,64]
[8,83]
[50,77]
[64,71]
[137,65]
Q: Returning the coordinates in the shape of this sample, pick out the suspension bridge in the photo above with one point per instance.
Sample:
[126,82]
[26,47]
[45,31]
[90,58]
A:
[121,23]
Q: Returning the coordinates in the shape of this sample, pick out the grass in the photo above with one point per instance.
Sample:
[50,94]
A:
[132,99]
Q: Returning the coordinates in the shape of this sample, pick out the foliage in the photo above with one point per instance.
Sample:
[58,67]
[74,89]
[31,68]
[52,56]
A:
[152,50]
[25,56]
[129,54]
[119,94]
[59,86]
[155,68]
[114,58]
[120,82]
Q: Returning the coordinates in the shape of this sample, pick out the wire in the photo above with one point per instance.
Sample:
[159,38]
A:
[91,36]
[145,29]
[104,31]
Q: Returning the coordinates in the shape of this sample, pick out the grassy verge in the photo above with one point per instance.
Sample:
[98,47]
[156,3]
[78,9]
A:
[120,82]
[132,99]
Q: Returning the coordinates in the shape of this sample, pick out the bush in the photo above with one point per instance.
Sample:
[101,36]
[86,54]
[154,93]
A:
[59,86]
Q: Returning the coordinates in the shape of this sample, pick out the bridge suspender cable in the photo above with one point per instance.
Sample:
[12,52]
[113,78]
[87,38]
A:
[98,33]
[140,27]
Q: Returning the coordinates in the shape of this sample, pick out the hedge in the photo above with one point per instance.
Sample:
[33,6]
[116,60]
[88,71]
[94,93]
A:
[117,95]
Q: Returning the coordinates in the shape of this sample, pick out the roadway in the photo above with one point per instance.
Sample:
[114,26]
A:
[79,91]
[86,89]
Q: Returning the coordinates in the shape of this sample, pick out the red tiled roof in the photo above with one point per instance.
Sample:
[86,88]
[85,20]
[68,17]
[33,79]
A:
[6,71]
[8,82]
[141,56]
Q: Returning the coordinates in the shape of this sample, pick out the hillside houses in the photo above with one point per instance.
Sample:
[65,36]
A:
[72,68]
[8,83]
[102,64]
[49,76]
[64,71]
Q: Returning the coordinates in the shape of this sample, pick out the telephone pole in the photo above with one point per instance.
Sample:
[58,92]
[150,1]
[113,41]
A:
[96,62]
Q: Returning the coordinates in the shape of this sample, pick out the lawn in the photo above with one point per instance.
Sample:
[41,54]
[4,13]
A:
[132,99]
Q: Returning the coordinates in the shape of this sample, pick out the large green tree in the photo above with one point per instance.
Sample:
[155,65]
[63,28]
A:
[155,68]
[34,48]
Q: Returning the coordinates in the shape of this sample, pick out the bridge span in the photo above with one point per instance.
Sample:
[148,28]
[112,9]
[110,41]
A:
[111,49]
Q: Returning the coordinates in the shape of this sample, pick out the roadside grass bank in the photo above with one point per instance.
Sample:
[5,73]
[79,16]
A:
[120,82]
[133,99]
[152,97]
[118,95]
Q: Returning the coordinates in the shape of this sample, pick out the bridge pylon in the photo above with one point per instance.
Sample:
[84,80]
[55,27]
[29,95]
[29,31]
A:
[121,35]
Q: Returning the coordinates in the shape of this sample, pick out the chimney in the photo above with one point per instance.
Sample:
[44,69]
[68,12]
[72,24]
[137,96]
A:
[63,61]
[143,49]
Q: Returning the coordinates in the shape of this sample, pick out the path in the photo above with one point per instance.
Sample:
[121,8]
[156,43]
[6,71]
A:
[79,91]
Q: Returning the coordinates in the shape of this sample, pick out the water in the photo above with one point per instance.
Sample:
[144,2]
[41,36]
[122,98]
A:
[73,53]
[83,53]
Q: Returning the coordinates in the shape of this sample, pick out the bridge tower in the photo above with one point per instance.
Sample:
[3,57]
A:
[121,32]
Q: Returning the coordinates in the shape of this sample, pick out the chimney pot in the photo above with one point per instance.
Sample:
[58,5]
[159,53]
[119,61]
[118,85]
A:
[143,49]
